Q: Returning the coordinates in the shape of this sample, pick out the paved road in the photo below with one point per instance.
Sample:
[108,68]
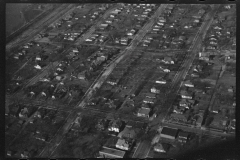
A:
[127,51]
[60,135]
[187,64]
[142,149]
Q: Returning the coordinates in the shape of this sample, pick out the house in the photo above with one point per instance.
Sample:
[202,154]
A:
[180,117]
[75,50]
[38,58]
[168,60]
[123,144]
[188,83]
[115,125]
[187,103]
[128,133]
[82,75]
[164,69]
[131,32]
[104,25]
[23,113]
[196,21]
[148,100]
[178,109]
[143,112]
[169,133]
[162,19]
[183,103]
[112,81]
[106,152]
[155,90]
[183,137]
[198,118]
[37,67]
[161,81]
[185,94]
[161,147]
[150,95]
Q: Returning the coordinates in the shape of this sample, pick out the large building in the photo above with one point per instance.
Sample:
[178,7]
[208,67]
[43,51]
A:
[169,133]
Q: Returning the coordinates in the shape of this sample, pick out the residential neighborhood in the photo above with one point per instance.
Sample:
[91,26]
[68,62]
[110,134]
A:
[122,80]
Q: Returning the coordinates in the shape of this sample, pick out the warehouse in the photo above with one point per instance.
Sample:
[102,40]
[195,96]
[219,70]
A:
[169,133]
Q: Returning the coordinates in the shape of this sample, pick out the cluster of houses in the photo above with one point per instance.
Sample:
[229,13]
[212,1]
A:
[166,137]
[126,134]
[181,111]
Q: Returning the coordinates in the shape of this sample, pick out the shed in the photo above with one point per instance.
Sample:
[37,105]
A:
[169,133]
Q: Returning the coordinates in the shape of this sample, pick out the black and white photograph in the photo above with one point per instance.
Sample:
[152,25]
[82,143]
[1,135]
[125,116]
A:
[120,80]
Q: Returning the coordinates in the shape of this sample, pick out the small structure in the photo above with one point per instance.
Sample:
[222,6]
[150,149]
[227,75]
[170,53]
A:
[183,137]
[111,153]
[143,112]
[161,147]
[169,133]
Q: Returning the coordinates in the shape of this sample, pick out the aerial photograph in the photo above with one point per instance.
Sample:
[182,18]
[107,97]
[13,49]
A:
[119,80]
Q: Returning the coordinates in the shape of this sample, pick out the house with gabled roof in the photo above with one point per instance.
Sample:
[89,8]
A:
[185,94]
[143,112]
[188,83]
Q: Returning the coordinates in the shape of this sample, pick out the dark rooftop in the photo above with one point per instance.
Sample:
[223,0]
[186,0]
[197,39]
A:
[169,131]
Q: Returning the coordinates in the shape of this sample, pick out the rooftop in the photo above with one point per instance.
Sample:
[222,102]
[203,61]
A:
[127,133]
[170,131]
[144,111]
[112,152]
[183,134]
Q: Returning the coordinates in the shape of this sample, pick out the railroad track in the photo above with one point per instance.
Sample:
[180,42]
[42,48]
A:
[26,26]
[41,26]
